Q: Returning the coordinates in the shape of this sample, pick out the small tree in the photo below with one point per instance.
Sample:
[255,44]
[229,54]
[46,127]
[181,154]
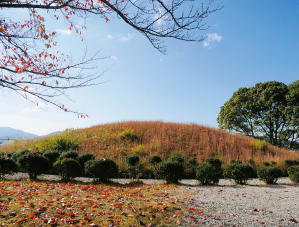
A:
[207,174]
[102,170]
[293,172]
[69,154]
[68,169]
[171,171]
[176,158]
[83,158]
[7,166]
[154,160]
[52,156]
[269,174]
[35,164]
[238,172]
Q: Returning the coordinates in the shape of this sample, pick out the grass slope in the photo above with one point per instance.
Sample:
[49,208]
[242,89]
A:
[117,140]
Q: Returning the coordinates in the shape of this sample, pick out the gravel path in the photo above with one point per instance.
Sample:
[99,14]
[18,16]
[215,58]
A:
[275,205]
[229,205]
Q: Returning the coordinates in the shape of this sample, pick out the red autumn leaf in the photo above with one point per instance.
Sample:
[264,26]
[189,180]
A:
[293,220]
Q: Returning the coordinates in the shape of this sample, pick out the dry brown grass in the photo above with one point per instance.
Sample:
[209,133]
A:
[163,139]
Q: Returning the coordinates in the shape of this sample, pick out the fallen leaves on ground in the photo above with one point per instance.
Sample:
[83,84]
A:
[28,203]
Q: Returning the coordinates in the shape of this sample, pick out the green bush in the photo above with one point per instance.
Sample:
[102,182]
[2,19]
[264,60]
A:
[191,168]
[207,174]
[16,155]
[216,163]
[132,160]
[293,172]
[34,163]
[52,156]
[65,144]
[68,169]
[171,171]
[240,173]
[83,158]
[176,158]
[154,160]
[289,163]
[69,154]
[269,174]
[102,170]
[7,166]
[128,134]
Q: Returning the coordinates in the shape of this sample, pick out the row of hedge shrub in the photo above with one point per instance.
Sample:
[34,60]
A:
[69,165]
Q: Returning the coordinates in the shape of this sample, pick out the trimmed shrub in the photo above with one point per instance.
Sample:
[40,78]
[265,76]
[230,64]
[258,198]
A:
[52,156]
[154,160]
[172,172]
[175,159]
[34,163]
[269,174]
[7,166]
[240,173]
[68,169]
[102,170]
[293,172]
[207,174]
[16,155]
[69,154]
[83,158]
[191,168]
[216,162]
[132,160]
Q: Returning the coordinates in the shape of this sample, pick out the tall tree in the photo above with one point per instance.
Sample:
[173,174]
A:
[31,68]
[269,110]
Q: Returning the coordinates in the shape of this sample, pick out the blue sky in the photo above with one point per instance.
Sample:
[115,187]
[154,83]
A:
[248,42]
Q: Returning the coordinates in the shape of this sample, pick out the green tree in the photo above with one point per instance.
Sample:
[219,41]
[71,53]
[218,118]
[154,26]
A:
[268,110]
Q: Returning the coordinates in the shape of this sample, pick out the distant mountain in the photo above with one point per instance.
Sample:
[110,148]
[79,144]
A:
[11,133]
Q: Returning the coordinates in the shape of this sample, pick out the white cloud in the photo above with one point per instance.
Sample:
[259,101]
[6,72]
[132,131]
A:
[110,37]
[126,38]
[64,31]
[113,57]
[212,39]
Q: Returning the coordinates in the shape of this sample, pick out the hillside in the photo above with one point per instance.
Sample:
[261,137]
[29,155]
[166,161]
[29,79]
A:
[11,133]
[117,140]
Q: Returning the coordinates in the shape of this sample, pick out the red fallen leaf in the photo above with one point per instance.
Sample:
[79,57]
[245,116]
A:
[160,203]
[293,220]
[21,220]
[116,223]
[86,218]
[261,222]
[191,208]
[200,212]
[82,207]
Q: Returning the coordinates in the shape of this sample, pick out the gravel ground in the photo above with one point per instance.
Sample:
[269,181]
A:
[258,205]
[255,204]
